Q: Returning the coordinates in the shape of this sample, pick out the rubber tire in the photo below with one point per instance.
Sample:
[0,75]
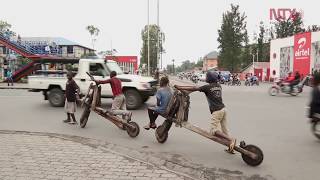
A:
[272,88]
[85,116]
[145,98]
[314,128]
[132,94]
[56,93]
[161,138]
[256,150]
[135,132]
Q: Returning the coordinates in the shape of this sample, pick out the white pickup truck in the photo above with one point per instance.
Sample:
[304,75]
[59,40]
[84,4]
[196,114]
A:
[137,89]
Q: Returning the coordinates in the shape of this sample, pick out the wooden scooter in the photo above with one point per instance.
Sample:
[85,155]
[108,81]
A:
[92,102]
[177,113]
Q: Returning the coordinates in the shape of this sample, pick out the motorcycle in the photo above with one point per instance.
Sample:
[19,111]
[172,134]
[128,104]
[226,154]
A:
[236,81]
[251,81]
[284,87]
[195,79]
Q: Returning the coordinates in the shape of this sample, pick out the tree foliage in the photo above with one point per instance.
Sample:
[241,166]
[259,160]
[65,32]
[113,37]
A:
[289,27]
[94,32]
[232,38]
[155,34]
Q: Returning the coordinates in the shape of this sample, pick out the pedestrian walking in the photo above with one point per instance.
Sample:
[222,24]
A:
[9,77]
[72,89]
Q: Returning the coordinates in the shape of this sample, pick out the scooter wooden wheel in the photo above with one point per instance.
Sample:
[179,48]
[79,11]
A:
[256,150]
[161,134]
[134,131]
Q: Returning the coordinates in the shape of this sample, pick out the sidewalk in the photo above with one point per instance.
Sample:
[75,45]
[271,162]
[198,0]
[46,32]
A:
[39,156]
[15,86]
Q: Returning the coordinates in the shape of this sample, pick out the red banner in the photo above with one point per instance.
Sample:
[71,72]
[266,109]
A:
[302,50]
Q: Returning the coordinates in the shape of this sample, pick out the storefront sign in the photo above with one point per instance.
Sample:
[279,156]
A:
[302,48]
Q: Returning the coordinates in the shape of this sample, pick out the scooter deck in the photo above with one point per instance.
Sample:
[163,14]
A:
[204,133]
[114,119]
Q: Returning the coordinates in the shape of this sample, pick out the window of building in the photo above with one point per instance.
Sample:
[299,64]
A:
[70,49]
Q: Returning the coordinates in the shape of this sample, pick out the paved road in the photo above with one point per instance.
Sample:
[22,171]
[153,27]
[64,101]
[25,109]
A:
[276,124]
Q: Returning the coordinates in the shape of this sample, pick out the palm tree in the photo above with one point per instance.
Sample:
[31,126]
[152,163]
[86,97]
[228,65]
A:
[94,32]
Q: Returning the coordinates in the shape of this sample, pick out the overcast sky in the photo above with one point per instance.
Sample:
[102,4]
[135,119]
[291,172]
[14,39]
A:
[190,25]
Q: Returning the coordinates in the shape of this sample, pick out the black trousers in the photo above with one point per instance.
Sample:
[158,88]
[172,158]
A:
[153,115]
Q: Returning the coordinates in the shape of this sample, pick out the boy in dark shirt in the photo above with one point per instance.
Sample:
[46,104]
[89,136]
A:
[216,107]
[71,96]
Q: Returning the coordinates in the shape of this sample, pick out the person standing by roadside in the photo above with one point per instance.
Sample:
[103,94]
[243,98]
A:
[71,97]
[9,77]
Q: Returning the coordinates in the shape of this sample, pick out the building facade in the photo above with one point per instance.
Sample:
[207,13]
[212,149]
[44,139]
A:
[210,61]
[128,64]
[296,53]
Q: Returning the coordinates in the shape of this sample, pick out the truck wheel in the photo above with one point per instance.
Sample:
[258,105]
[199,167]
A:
[56,97]
[145,98]
[133,99]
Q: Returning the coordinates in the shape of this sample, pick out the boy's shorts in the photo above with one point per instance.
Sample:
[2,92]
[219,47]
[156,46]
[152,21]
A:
[219,122]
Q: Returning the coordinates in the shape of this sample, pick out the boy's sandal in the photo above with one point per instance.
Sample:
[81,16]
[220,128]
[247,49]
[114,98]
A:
[229,151]
[67,121]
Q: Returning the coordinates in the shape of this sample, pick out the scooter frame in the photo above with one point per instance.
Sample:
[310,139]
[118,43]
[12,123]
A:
[251,154]
[92,102]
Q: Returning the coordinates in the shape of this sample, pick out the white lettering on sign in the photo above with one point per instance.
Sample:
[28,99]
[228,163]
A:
[302,52]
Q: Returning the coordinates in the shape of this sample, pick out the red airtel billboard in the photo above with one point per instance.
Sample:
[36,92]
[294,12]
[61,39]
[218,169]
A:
[302,50]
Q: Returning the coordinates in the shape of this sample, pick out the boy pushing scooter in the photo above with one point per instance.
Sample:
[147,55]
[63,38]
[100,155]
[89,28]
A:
[213,92]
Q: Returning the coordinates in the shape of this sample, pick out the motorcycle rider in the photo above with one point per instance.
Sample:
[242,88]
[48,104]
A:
[315,96]
[295,80]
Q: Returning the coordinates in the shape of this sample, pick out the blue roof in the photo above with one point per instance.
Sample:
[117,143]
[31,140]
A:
[58,40]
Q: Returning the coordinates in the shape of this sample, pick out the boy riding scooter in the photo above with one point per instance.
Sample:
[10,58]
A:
[216,106]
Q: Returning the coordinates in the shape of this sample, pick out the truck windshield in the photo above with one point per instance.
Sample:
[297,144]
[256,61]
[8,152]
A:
[113,66]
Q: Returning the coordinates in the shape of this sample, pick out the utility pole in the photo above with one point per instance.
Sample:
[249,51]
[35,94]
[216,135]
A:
[173,66]
[158,35]
[253,63]
[148,41]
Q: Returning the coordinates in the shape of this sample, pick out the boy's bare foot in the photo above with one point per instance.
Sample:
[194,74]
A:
[231,146]
[153,126]
[73,122]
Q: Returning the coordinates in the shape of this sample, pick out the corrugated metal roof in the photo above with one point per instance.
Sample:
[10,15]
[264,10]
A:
[212,55]
[58,40]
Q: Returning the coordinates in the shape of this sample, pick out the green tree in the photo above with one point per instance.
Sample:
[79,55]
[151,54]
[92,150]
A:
[232,38]
[5,27]
[155,34]
[289,27]
[94,32]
